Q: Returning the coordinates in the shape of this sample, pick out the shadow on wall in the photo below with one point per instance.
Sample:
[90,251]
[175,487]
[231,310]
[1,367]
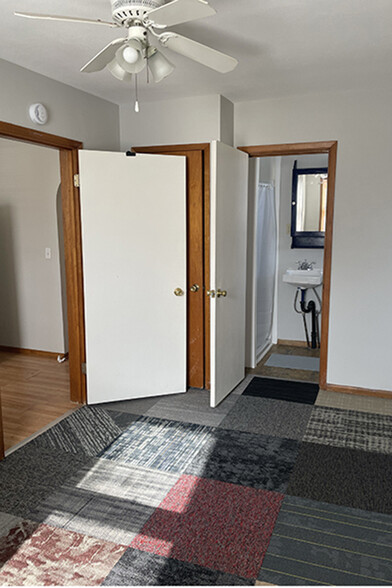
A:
[60,232]
[9,316]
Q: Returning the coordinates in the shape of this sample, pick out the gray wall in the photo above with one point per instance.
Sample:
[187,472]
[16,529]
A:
[360,347]
[72,113]
[31,313]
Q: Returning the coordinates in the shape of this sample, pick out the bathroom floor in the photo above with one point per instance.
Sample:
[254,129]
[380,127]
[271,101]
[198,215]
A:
[287,373]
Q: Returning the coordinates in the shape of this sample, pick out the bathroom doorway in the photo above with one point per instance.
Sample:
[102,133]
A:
[287,319]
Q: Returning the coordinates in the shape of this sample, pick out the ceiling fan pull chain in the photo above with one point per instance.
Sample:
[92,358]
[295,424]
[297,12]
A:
[137,109]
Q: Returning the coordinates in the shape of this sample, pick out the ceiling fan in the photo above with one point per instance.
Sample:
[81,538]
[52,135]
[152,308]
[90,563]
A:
[146,21]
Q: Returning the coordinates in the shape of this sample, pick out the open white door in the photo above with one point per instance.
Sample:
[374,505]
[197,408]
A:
[134,257]
[229,204]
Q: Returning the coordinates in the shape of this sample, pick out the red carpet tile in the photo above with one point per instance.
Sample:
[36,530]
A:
[58,557]
[213,524]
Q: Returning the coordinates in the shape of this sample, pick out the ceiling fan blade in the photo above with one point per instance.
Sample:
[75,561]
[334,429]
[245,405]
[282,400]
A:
[65,18]
[198,52]
[104,57]
[179,11]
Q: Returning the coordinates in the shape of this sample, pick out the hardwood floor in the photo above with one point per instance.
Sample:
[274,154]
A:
[34,392]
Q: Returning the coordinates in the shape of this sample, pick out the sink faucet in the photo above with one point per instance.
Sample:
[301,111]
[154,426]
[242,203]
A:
[305,265]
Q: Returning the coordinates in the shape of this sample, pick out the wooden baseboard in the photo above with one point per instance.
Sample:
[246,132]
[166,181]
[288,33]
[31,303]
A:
[34,352]
[292,343]
[358,391]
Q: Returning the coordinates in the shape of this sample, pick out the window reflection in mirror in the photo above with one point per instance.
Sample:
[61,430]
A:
[309,205]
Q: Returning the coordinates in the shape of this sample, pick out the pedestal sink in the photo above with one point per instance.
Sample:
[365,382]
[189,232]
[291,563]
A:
[309,278]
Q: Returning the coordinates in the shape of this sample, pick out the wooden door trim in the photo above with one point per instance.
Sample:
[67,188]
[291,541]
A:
[205,150]
[329,147]
[68,149]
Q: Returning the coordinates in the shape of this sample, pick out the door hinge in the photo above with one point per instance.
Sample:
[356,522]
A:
[84,368]
[77,180]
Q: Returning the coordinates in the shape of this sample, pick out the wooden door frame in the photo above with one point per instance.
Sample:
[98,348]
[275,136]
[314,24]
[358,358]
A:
[329,147]
[69,167]
[205,149]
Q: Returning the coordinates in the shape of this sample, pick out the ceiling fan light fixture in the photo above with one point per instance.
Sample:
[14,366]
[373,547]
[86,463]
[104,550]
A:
[118,72]
[132,61]
[159,66]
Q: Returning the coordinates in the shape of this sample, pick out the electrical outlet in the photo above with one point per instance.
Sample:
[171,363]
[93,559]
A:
[48,253]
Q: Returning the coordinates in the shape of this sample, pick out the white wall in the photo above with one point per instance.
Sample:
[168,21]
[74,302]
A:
[183,120]
[290,324]
[360,344]
[31,314]
[72,113]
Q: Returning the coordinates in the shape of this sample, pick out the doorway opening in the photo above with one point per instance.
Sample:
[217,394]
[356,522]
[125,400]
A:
[285,338]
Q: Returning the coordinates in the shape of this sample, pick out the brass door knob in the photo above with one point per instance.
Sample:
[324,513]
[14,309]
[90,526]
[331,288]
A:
[222,293]
[178,292]
[194,288]
[211,293]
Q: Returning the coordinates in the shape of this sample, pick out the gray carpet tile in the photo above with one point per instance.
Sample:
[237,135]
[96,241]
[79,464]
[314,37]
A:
[138,406]
[192,407]
[350,428]
[107,500]
[138,568]
[296,362]
[122,419]
[88,430]
[31,473]
[159,444]
[268,417]
[315,542]
[352,402]
[346,477]
[242,458]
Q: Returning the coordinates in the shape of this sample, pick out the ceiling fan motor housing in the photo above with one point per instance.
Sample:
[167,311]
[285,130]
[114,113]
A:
[123,10]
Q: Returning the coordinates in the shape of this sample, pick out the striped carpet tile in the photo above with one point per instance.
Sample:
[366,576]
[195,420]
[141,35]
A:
[320,543]
[350,428]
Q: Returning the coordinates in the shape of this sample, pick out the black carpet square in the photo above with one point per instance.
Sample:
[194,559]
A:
[247,459]
[138,568]
[347,477]
[283,390]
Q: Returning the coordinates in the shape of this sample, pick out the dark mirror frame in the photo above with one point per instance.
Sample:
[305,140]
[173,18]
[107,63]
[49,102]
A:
[304,239]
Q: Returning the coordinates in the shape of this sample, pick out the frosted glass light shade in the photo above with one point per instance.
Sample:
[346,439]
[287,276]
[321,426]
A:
[118,72]
[136,66]
[160,66]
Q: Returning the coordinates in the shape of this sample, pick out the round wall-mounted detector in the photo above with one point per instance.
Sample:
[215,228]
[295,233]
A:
[38,114]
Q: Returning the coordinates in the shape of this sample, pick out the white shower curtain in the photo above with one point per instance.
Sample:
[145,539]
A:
[266,251]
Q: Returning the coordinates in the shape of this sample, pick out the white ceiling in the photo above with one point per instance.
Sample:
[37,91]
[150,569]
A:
[283,46]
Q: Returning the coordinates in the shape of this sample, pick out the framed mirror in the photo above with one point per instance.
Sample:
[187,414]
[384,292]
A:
[308,207]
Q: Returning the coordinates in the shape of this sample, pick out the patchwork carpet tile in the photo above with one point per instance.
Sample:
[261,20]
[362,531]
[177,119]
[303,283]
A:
[109,501]
[137,406]
[214,525]
[192,407]
[159,444]
[246,459]
[352,402]
[13,532]
[139,568]
[350,428]
[347,477]
[268,417]
[30,474]
[88,430]
[282,390]
[58,557]
[319,543]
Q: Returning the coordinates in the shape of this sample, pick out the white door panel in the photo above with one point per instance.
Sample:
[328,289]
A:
[229,200]
[134,254]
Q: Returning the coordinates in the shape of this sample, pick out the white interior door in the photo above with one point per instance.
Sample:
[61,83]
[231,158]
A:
[134,256]
[229,203]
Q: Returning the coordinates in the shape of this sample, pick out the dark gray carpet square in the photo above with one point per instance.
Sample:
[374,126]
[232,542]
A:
[316,542]
[242,458]
[350,428]
[31,473]
[137,406]
[283,390]
[138,568]
[159,444]
[88,430]
[347,477]
[268,417]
